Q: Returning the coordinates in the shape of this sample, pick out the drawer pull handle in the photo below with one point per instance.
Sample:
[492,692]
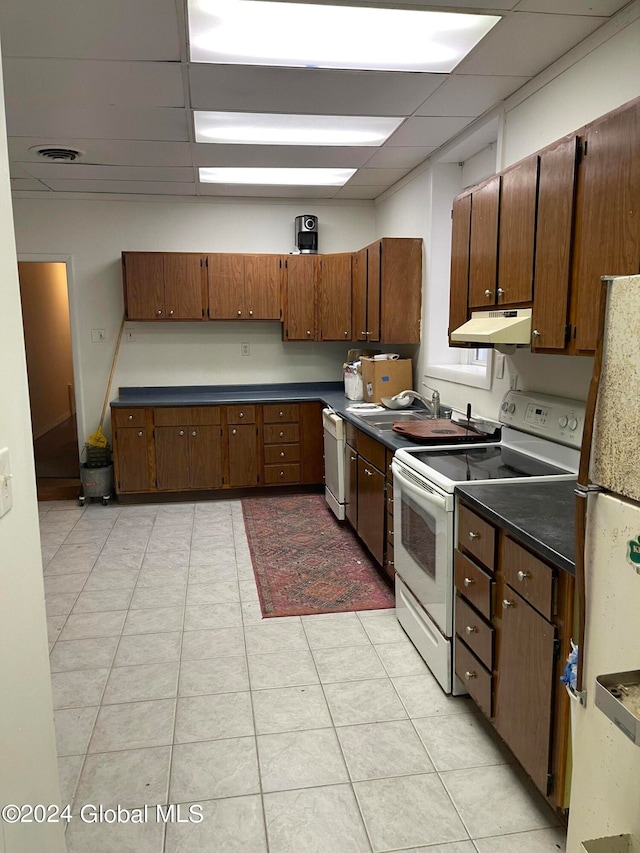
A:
[282,454]
[130,417]
[469,674]
[471,629]
[241,414]
[523,575]
[468,581]
[282,473]
[281,414]
[507,603]
[281,433]
[473,535]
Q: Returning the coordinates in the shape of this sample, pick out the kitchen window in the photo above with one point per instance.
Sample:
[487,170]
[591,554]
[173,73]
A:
[472,367]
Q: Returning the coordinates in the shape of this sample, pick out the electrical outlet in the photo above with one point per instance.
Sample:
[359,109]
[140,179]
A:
[131,336]
[97,336]
[245,349]
[513,382]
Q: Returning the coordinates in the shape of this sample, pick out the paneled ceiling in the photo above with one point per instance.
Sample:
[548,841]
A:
[112,80]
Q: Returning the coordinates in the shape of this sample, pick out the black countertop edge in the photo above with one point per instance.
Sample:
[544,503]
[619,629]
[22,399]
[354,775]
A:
[331,394]
[540,515]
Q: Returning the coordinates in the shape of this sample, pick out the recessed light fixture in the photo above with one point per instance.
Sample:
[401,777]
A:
[276,177]
[304,35]
[278,129]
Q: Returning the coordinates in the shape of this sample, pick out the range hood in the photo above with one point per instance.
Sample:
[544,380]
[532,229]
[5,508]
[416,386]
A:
[496,327]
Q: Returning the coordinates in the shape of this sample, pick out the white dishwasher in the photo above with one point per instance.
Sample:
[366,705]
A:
[334,443]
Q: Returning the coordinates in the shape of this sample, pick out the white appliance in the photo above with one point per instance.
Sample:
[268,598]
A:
[539,442]
[334,447]
[605,783]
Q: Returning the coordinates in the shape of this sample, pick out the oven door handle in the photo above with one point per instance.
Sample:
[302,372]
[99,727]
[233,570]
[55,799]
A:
[420,493]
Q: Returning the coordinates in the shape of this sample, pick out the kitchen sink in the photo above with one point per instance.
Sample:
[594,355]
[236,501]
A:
[386,420]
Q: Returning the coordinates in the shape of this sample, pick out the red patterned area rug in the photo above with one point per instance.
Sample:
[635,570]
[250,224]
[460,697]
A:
[306,562]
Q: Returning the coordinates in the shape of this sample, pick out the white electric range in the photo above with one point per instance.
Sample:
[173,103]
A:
[540,441]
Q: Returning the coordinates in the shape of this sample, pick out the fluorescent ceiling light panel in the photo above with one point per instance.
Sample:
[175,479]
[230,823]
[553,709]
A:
[277,177]
[275,129]
[304,35]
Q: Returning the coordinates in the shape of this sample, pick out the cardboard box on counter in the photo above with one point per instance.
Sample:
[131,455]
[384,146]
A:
[384,378]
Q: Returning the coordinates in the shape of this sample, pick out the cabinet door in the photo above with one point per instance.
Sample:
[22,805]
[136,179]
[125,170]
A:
[301,284]
[172,457]
[351,485]
[132,460]
[459,281]
[374,271]
[335,298]
[526,670]
[205,457]
[226,286]
[517,232]
[483,268]
[183,287]
[556,191]
[262,291]
[243,455]
[143,285]
[607,235]
[311,437]
[399,302]
[371,508]
[359,295]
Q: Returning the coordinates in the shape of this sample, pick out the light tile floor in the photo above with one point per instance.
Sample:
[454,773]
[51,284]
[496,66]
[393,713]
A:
[296,735]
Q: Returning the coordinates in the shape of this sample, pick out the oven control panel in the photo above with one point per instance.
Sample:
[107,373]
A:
[555,418]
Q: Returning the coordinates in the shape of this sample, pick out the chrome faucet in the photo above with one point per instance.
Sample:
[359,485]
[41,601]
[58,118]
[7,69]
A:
[432,405]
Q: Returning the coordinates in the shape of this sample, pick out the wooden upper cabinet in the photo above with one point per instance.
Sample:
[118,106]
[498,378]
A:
[163,286]
[556,194]
[607,228]
[517,232]
[359,295]
[301,284]
[459,281]
[335,298]
[483,256]
[374,291]
[244,287]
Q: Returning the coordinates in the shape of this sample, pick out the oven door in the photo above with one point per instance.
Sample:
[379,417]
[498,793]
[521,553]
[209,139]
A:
[423,543]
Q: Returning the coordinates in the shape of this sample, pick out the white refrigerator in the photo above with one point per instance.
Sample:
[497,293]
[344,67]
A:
[605,779]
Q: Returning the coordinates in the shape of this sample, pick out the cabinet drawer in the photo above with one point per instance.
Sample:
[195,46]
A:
[281,413]
[476,536]
[281,433]
[474,584]
[241,414]
[128,417]
[288,473]
[372,450]
[532,578]
[474,676]
[475,632]
[277,454]
[187,416]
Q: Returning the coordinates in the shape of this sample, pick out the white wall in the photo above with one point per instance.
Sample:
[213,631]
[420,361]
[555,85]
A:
[28,768]
[92,234]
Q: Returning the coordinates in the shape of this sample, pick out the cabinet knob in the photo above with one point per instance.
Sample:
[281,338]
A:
[368,472]
[158,312]
[500,291]
[239,313]
[241,415]
[234,432]
[346,334]
[282,473]
[468,581]
[391,563]
[308,333]
[507,603]
[130,417]
[469,674]
[282,454]
[488,293]
[140,433]
[473,535]
[251,313]
[471,629]
[535,333]
[281,414]
[353,458]
[523,575]
[181,432]
[281,433]
[194,432]
[171,313]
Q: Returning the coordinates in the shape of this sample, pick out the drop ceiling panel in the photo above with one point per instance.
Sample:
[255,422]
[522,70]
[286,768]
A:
[206,154]
[91,29]
[376,177]
[356,192]
[307,90]
[466,95]
[92,83]
[139,187]
[524,44]
[83,172]
[27,185]
[265,191]
[161,123]
[572,7]
[110,152]
[432,131]
[399,158]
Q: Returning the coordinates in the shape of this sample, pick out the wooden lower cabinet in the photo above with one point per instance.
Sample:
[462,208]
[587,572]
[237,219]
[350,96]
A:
[513,621]
[371,509]
[351,485]
[131,457]
[188,457]
[243,455]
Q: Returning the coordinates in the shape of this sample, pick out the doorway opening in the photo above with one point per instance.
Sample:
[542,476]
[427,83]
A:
[47,334]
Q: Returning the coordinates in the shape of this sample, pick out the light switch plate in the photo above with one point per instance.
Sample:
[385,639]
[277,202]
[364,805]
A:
[97,336]
[6,494]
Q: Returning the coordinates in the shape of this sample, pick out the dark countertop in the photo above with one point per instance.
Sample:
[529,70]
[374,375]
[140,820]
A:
[329,393]
[540,515]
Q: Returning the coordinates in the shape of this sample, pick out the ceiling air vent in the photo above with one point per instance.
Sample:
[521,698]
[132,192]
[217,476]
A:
[58,154]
